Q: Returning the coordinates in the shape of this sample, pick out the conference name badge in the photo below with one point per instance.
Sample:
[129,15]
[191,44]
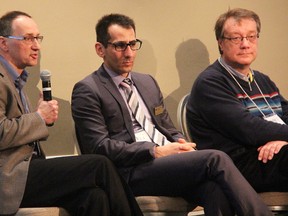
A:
[274,118]
[158,110]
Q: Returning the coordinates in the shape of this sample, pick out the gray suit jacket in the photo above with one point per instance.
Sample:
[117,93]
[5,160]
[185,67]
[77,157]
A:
[17,130]
[103,123]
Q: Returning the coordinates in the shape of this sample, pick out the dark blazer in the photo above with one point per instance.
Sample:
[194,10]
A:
[17,130]
[103,123]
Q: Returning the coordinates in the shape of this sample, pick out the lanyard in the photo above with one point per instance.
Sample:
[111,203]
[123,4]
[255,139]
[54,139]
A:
[229,71]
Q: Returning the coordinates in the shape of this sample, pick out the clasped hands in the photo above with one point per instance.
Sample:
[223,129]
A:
[267,151]
[174,148]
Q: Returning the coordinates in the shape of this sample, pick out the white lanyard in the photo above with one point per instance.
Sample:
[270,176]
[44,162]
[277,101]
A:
[228,70]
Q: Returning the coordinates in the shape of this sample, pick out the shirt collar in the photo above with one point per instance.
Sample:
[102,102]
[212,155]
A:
[15,76]
[235,72]
[117,79]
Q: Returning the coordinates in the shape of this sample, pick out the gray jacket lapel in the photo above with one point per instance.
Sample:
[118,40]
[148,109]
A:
[113,89]
[10,82]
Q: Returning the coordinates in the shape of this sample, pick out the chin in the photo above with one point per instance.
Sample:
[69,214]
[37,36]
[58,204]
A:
[245,60]
[32,63]
[127,69]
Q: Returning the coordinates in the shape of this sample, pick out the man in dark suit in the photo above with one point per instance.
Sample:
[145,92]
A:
[84,185]
[108,124]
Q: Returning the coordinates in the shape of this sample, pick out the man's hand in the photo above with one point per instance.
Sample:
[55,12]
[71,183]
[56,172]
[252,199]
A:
[267,151]
[48,110]
[174,148]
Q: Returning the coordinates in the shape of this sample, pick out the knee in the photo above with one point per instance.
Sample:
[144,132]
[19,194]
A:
[219,157]
[101,160]
[218,154]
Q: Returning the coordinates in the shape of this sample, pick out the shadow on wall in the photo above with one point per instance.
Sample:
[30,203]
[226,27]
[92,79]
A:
[145,61]
[61,138]
[192,58]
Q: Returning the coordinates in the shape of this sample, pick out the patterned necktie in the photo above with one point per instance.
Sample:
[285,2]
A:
[139,115]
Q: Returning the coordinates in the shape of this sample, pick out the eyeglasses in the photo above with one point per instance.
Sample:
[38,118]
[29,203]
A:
[122,46]
[238,40]
[29,39]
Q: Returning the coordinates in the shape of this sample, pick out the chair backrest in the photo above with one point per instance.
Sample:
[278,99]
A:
[181,117]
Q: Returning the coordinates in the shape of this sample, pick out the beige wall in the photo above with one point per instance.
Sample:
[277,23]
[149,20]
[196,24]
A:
[178,41]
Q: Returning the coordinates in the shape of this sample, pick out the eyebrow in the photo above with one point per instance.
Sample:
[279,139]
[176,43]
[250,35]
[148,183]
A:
[125,41]
[30,34]
[238,33]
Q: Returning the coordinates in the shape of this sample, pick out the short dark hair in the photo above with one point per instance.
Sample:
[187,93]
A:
[106,21]
[7,19]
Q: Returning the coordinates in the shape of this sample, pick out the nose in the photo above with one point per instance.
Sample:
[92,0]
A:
[245,39]
[245,42]
[36,44]
[128,50]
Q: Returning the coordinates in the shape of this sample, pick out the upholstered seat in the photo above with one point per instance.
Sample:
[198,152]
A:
[166,206]
[276,201]
[45,211]
[150,206]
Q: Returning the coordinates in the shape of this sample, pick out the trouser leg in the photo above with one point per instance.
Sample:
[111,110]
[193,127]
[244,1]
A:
[176,175]
[239,192]
[211,197]
[270,176]
[53,180]
[87,202]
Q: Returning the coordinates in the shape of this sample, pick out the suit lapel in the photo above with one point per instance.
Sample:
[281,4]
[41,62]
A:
[10,82]
[113,89]
[144,92]
[146,95]
[110,86]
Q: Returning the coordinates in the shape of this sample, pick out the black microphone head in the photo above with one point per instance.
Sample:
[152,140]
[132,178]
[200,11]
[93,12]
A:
[45,75]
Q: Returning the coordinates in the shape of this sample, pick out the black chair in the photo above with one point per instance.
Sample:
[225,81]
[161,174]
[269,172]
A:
[181,117]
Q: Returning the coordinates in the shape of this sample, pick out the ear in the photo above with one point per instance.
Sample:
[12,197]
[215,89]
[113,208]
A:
[220,45]
[100,49]
[3,44]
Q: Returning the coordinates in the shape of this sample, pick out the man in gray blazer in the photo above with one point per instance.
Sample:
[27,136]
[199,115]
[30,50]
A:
[108,122]
[84,185]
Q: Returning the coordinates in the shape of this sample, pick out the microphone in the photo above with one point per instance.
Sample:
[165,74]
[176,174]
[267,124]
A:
[46,87]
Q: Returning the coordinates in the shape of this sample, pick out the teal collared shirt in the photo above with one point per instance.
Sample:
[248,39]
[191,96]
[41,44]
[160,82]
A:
[15,76]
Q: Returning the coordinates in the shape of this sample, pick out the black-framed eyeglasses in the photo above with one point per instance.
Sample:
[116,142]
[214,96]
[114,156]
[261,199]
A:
[29,39]
[238,40]
[122,46]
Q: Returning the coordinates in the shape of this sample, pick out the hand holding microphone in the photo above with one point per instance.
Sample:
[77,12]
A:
[48,109]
